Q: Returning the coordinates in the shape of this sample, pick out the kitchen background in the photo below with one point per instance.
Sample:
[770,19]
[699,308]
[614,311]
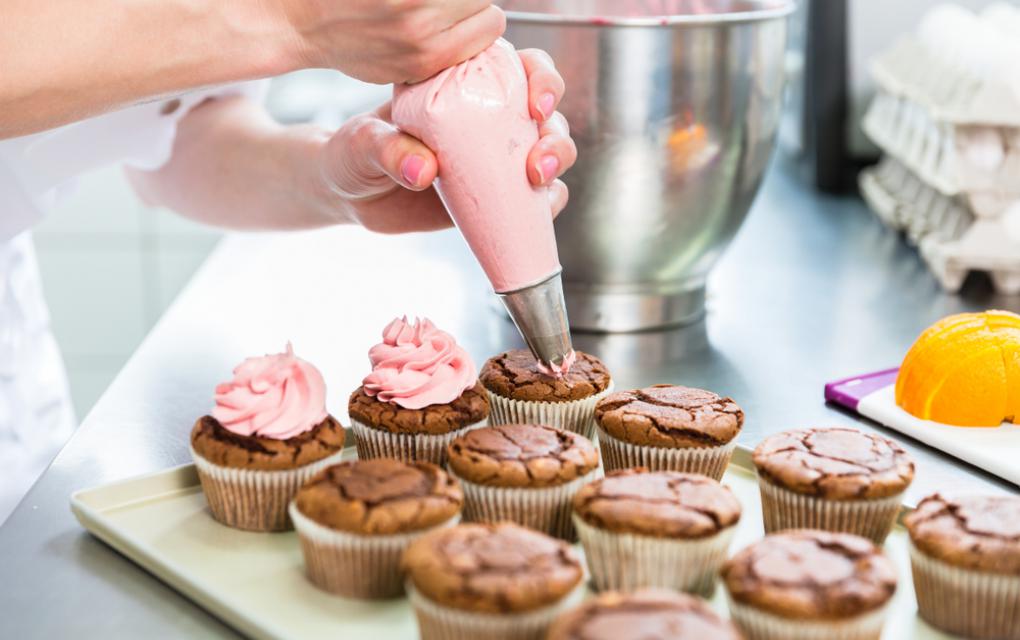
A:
[111,265]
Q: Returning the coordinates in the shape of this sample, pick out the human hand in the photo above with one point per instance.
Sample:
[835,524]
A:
[383,175]
[385,41]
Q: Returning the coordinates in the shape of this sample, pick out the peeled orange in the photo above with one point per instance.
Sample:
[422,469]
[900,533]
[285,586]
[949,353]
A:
[964,370]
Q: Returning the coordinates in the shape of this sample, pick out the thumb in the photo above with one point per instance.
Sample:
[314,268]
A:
[369,157]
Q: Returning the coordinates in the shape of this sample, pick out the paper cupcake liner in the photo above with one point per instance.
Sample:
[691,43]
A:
[966,602]
[577,415]
[438,622]
[254,499]
[627,561]
[708,461]
[408,447]
[546,509]
[354,565]
[785,509]
[761,625]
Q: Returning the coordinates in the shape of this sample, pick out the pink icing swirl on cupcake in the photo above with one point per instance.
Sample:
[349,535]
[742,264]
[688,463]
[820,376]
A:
[417,365]
[276,396]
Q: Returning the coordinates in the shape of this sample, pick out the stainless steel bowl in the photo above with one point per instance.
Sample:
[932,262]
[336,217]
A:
[675,116]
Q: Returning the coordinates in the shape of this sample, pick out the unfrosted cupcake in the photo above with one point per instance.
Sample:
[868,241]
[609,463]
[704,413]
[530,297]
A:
[422,393]
[268,433]
[835,479]
[525,473]
[648,614]
[522,392]
[356,518]
[491,581]
[965,555]
[668,428]
[810,585]
[655,529]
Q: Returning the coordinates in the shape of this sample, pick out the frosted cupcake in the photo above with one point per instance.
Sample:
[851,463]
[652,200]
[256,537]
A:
[422,393]
[522,391]
[267,434]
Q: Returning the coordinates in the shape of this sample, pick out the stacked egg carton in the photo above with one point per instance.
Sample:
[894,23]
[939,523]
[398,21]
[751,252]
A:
[947,118]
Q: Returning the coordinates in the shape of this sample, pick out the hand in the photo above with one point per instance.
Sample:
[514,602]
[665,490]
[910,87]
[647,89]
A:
[385,41]
[384,175]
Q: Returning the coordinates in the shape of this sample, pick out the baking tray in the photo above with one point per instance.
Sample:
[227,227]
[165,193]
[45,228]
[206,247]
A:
[255,582]
[873,395]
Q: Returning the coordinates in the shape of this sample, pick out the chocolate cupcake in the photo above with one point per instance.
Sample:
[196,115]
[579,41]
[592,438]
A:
[668,428]
[524,473]
[268,433]
[493,581]
[655,529]
[965,556]
[521,392]
[422,393]
[834,479]
[356,518]
[643,615]
[810,585]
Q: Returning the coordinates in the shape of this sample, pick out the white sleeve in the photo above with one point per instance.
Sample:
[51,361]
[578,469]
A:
[35,170]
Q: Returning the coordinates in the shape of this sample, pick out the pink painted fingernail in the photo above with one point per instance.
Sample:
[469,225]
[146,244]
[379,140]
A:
[547,167]
[545,104]
[411,169]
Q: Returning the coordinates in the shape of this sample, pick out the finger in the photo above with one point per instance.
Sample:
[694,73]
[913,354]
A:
[464,40]
[453,11]
[403,211]
[557,125]
[550,158]
[558,196]
[545,85]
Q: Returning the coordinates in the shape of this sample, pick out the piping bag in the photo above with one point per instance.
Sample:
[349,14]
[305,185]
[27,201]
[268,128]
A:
[475,117]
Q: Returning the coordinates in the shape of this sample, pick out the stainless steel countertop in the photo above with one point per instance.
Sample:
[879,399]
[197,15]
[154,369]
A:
[813,289]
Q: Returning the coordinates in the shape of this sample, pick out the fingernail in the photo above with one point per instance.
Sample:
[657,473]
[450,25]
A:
[547,167]
[411,169]
[545,104]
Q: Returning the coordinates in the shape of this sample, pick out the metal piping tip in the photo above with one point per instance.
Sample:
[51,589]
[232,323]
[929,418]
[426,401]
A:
[540,314]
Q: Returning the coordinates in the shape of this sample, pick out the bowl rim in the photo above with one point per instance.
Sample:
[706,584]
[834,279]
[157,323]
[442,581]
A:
[785,8]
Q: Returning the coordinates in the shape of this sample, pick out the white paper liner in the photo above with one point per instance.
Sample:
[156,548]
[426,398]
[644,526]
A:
[577,415]
[761,625]
[438,622]
[708,461]
[966,602]
[408,447]
[254,499]
[627,561]
[785,509]
[351,564]
[546,509]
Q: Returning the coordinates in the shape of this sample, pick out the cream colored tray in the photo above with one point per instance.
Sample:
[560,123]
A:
[255,582]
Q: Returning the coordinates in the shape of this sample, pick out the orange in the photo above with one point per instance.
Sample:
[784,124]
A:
[964,370]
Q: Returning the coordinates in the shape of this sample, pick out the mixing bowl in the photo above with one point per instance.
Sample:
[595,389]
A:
[674,106]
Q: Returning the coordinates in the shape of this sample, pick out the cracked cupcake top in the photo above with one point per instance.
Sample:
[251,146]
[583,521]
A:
[835,463]
[470,407]
[665,504]
[493,568]
[222,447]
[648,614]
[670,416]
[815,575]
[515,375]
[972,532]
[521,455]
[380,496]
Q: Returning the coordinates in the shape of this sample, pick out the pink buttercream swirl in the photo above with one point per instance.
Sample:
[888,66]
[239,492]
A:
[417,365]
[276,396]
[558,371]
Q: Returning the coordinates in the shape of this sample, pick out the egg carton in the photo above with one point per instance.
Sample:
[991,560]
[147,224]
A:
[952,240]
[959,66]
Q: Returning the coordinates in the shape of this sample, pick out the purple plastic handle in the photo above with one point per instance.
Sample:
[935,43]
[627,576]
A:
[850,391]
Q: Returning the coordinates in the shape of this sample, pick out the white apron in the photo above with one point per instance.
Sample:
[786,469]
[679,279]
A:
[36,416]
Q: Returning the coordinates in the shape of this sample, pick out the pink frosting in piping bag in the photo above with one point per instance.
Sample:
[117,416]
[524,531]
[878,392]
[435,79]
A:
[417,365]
[475,117]
[275,396]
